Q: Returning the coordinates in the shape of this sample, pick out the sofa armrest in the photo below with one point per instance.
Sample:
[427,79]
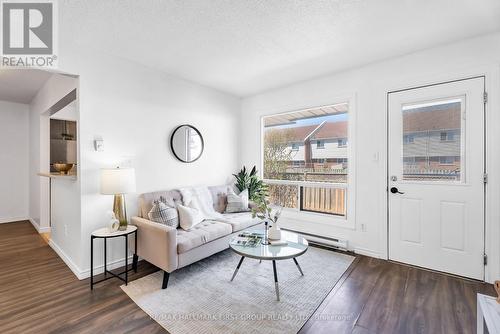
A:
[156,243]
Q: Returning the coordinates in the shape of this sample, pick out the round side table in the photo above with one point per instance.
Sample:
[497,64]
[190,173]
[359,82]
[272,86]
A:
[104,233]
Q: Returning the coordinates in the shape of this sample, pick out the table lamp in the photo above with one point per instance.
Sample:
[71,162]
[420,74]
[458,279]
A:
[118,181]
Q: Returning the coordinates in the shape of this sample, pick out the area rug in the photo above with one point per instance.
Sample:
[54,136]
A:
[201,298]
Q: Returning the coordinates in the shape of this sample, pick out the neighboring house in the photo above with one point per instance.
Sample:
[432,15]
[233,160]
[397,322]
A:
[431,139]
[296,142]
[329,145]
[318,146]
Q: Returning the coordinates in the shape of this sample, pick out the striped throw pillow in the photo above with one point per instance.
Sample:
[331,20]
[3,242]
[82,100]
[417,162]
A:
[164,214]
[237,203]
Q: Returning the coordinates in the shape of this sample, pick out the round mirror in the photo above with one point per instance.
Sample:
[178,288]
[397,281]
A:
[186,143]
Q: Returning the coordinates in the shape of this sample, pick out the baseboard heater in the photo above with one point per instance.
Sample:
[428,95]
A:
[323,241]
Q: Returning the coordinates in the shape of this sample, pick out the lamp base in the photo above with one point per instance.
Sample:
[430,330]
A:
[120,211]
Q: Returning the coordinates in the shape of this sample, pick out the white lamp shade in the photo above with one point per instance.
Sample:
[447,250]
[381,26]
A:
[117,181]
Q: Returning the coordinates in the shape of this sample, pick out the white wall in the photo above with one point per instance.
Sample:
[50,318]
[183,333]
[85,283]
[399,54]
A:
[134,109]
[55,88]
[68,113]
[14,162]
[370,85]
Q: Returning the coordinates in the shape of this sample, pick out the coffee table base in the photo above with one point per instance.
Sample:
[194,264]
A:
[275,272]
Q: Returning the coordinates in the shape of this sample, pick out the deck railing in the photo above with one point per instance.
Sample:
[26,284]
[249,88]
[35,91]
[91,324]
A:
[321,197]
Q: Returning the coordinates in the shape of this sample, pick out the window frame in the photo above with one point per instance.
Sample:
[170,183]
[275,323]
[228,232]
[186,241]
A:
[312,218]
[449,136]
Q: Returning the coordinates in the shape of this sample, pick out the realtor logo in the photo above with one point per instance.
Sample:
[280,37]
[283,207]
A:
[28,33]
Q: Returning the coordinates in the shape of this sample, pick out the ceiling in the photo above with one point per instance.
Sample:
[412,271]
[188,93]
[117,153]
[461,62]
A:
[21,86]
[248,46]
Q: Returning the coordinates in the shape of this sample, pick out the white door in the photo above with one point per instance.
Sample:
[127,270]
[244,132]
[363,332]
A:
[436,170]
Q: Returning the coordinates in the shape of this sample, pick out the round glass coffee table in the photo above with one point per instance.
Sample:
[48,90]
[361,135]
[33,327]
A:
[296,246]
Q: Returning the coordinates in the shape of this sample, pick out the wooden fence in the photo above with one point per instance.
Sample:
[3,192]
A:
[325,200]
[312,198]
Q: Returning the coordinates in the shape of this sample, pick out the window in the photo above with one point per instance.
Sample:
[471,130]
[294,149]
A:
[295,146]
[321,183]
[342,142]
[447,136]
[408,139]
[437,154]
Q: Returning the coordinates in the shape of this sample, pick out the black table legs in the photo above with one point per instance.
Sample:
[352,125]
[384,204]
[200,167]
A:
[108,274]
[126,259]
[275,272]
[91,263]
[276,281]
[237,268]
[298,266]
[136,258]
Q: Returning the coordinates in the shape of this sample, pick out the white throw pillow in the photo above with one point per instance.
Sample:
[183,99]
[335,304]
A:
[237,203]
[188,217]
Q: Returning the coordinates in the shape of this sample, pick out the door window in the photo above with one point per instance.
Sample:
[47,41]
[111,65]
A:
[432,141]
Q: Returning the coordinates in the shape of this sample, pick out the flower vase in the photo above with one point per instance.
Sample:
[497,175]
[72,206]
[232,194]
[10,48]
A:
[274,232]
[265,241]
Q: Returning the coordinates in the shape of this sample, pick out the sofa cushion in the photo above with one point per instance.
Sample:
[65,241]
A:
[240,221]
[200,234]
[171,198]
[219,196]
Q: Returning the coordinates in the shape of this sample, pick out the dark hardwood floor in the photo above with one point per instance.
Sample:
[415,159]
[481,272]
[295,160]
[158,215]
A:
[39,294]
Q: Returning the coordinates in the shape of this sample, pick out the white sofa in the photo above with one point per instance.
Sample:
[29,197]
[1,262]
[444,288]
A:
[169,248]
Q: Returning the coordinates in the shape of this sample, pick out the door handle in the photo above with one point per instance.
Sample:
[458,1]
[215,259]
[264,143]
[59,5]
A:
[395,190]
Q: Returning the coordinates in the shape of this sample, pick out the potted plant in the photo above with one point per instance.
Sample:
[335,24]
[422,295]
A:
[251,181]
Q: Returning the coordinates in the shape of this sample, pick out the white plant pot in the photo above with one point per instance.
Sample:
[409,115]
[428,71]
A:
[274,232]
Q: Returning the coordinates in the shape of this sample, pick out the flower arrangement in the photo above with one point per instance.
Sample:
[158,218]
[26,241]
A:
[263,210]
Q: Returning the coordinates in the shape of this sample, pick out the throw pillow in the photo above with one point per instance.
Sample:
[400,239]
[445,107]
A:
[237,203]
[219,197]
[189,217]
[164,214]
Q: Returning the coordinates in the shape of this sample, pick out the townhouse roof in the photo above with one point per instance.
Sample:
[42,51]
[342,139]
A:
[327,130]
[298,133]
[332,130]
[432,118]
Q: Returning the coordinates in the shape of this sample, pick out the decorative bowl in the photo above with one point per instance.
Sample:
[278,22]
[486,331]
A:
[62,168]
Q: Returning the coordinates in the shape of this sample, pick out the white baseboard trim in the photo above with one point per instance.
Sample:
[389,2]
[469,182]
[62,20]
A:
[83,274]
[366,252]
[110,266]
[37,227]
[12,219]
[74,268]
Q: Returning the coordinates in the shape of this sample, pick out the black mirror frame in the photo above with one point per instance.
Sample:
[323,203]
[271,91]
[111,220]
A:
[172,145]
